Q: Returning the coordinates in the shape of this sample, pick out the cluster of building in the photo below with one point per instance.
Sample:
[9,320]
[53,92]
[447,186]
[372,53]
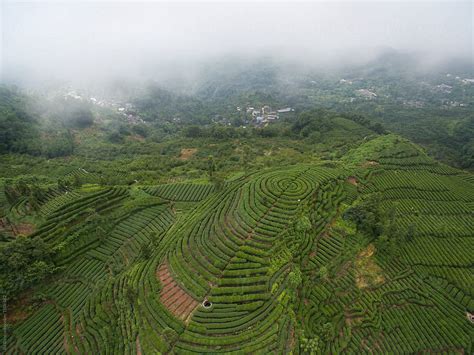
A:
[451,103]
[367,94]
[127,110]
[265,114]
[464,81]
[414,103]
[363,93]
[446,89]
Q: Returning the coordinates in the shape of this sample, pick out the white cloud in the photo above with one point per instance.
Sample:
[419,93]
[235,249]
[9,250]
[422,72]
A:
[93,39]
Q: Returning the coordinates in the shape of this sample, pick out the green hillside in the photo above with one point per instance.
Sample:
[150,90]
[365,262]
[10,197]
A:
[367,252]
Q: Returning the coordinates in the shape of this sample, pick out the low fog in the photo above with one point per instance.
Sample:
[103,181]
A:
[88,42]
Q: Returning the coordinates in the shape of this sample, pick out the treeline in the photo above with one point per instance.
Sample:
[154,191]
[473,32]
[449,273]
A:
[18,128]
[446,133]
[23,131]
[167,114]
[305,123]
[158,104]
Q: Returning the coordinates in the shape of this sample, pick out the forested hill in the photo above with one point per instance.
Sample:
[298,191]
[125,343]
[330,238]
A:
[18,127]
[430,106]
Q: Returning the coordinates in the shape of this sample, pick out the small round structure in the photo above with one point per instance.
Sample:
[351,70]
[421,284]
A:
[207,304]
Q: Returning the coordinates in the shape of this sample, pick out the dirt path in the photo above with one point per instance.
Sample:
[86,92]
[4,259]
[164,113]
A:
[138,346]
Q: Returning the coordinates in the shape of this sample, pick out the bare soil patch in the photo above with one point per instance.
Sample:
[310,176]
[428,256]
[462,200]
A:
[17,315]
[16,229]
[368,273]
[291,343]
[370,163]
[79,331]
[138,346]
[136,137]
[18,309]
[173,296]
[25,228]
[187,153]
[352,180]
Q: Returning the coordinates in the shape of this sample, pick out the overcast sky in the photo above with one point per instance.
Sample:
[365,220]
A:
[99,39]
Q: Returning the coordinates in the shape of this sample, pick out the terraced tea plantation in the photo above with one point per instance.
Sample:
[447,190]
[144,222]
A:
[279,260]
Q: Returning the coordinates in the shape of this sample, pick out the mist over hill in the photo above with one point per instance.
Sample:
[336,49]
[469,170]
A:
[88,42]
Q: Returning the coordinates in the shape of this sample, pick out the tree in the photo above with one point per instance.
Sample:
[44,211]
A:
[77,114]
[309,345]
[100,233]
[170,335]
[294,278]
[33,203]
[245,156]
[18,126]
[323,272]
[211,166]
[378,128]
[327,331]
[77,181]
[145,251]
[237,122]
[410,234]
[131,294]
[116,137]
[154,239]
[392,228]
[58,145]
[302,224]
[62,185]
[193,131]
[23,262]
[11,194]
[218,182]
[367,216]
[35,197]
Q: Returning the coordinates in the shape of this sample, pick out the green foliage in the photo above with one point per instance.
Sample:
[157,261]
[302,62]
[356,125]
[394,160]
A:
[323,272]
[277,261]
[170,335]
[193,131]
[294,278]
[367,216]
[309,345]
[77,115]
[18,127]
[24,262]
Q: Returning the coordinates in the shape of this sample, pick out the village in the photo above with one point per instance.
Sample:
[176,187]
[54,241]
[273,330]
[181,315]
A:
[255,116]
[125,109]
[265,114]
[440,89]
[261,116]
[244,116]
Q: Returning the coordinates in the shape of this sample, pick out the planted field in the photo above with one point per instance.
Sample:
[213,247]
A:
[269,264]
[181,192]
